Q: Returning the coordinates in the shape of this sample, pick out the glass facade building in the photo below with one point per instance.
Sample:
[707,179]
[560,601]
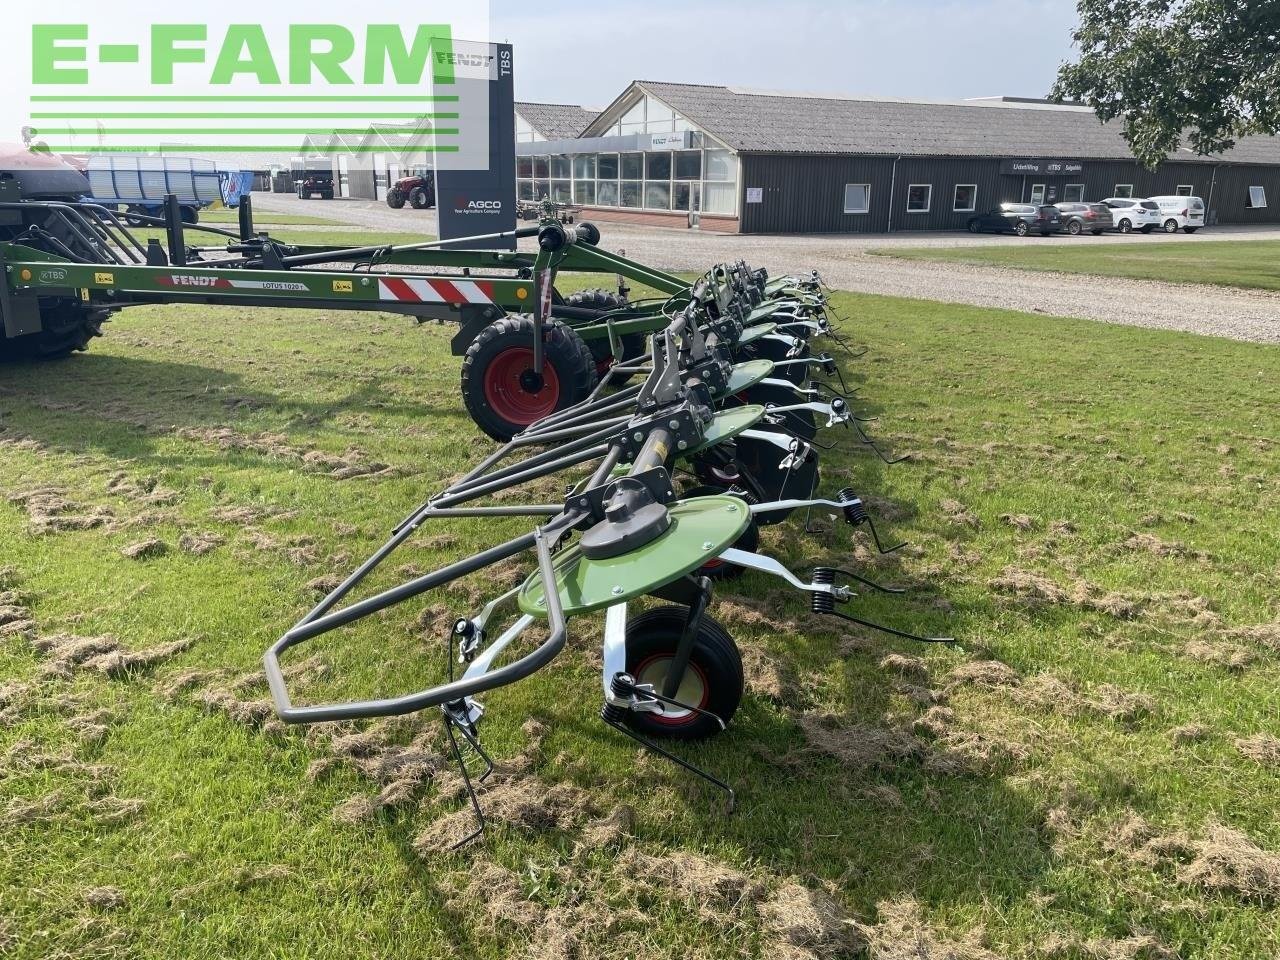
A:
[651,159]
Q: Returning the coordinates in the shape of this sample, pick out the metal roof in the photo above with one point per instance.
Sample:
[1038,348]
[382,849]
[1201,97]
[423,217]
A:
[259,161]
[556,121]
[771,122]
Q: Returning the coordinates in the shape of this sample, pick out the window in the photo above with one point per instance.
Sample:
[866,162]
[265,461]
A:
[584,166]
[720,166]
[1073,192]
[966,198]
[560,168]
[631,193]
[584,191]
[657,196]
[1037,194]
[1185,189]
[1257,198]
[540,168]
[918,197]
[633,166]
[608,166]
[689,165]
[686,196]
[720,198]
[657,166]
[1123,190]
[524,167]
[607,193]
[857,197]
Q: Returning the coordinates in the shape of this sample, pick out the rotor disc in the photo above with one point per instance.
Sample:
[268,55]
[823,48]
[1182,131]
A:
[748,374]
[700,529]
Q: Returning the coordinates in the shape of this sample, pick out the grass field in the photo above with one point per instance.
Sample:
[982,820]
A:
[1092,773]
[267,217]
[1233,263]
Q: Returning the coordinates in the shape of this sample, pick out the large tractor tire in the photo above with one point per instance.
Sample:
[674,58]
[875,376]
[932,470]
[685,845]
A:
[395,199]
[499,387]
[419,199]
[67,328]
[633,344]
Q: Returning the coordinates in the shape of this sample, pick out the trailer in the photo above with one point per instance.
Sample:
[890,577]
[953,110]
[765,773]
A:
[140,184]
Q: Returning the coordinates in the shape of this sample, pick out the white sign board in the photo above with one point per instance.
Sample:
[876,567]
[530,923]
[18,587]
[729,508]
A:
[755,194]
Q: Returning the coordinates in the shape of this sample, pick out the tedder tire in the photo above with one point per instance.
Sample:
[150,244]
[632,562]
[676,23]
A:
[713,680]
[66,329]
[499,387]
[633,344]
[395,199]
[749,541]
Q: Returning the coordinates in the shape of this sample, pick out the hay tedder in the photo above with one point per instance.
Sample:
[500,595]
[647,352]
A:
[675,426]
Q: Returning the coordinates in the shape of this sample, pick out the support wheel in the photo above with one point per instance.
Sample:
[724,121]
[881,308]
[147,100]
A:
[499,387]
[633,344]
[749,541]
[713,680]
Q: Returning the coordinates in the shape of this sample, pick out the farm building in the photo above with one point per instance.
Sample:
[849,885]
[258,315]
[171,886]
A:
[769,162]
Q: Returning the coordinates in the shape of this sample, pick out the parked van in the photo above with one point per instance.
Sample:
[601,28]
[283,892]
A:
[1186,213]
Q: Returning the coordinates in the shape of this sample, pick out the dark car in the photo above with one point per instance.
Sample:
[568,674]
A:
[1079,217]
[1019,218]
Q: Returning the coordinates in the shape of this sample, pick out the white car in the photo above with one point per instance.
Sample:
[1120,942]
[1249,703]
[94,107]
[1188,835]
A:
[1131,214]
[1186,213]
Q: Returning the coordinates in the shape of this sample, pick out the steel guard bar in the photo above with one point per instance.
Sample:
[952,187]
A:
[433,696]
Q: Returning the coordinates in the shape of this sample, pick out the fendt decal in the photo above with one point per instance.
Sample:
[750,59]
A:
[224,283]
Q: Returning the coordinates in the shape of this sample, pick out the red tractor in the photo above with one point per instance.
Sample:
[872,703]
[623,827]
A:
[419,189]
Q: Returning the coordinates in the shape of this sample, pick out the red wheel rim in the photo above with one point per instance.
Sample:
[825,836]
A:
[507,395]
[687,716]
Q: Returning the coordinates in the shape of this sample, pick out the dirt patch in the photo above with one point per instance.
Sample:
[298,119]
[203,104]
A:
[1141,946]
[142,490]
[960,515]
[497,892]
[1189,733]
[173,687]
[1229,656]
[859,746]
[145,549]
[907,667]
[610,830]
[1020,521]
[987,674]
[1158,547]
[66,654]
[765,675]
[344,466]
[104,898]
[1049,693]
[801,923]
[901,933]
[325,584]
[1033,589]
[48,511]
[1260,748]
[716,890]
[1263,634]
[20,811]
[201,542]
[1223,860]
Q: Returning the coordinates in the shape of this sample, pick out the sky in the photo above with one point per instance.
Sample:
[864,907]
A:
[587,53]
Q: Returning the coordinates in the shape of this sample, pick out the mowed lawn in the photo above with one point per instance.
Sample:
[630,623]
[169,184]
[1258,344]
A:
[1228,263]
[1092,510]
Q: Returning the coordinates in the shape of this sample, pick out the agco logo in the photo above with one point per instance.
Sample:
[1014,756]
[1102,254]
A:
[463,205]
[53,276]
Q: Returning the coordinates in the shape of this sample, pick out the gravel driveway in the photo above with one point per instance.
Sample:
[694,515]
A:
[845,264]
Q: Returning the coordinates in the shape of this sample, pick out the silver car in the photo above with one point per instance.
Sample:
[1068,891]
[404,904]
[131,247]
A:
[1079,217]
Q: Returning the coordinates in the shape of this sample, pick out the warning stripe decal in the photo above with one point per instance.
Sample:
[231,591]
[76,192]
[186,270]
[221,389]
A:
[459,291]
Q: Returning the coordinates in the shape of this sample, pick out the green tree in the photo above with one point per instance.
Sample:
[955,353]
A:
[1203,71]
